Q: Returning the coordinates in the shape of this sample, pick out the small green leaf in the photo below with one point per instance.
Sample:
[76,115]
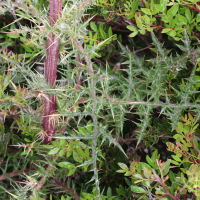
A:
[180,126]
[54,151]
[152,5]
[147,20]
[142,31]
[1,92]
[145,165]
[67,165]
[103,34]
[109,192]
[182,19]
[62,197]
[123,166]
[147,4]
[77,158]
[171,33]
[196,145]
[121,191]
[173,10]
[154,12]
[82,130]
[165,167]
[171,20]
[133,34]
[155,155]
[47,146]
[178,28]
[135,6]
[178,136]
[115,37]
[27,140]
[120,171]
[165,30]
[93,26]
[127,173]
[188,15]
[58,104]
[198,18]
[61,153]
[171,176]
[10,35]
[62,142]
[179,155]
[80,152]
[6,81]
[183,178]
[110,33]
[137,189]
[27,48]
[55,144]
[174,162]
[156,138]
[146,11]
[71,172]
[165,19]
[150,161]
[138,176]
[163,4]
[69,153]
[95,36]
[132,28]
[176,158]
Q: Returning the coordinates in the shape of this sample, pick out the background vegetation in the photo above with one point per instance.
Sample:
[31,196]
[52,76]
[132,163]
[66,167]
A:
[99,99]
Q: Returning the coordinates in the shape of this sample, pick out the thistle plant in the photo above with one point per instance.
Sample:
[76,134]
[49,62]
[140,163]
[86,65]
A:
[67,122]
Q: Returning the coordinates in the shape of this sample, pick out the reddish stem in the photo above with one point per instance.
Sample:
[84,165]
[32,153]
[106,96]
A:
[68,189]
[16,173]
[192,7]
[1,17]
[189,158]
[195,152]
[163,185]
[51,69]
[143,3]
[187,64]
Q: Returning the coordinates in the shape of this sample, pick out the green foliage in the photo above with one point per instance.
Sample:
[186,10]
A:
[124,101]
[176,17]
[162,174]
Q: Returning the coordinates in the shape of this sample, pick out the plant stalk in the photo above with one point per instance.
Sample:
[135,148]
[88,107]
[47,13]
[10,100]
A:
[51,69]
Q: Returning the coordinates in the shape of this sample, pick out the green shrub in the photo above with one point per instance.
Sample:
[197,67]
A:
[99,102]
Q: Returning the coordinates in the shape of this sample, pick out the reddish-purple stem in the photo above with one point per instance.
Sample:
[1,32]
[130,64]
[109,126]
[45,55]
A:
[16,173]
[51,69]
[195,152]
[68,189]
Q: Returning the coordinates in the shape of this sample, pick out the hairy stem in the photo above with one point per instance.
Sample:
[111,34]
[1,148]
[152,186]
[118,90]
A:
[51,69]
[44,178]
[94,140]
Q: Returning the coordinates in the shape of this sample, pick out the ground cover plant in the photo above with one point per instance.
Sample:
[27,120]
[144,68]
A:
[99,99]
